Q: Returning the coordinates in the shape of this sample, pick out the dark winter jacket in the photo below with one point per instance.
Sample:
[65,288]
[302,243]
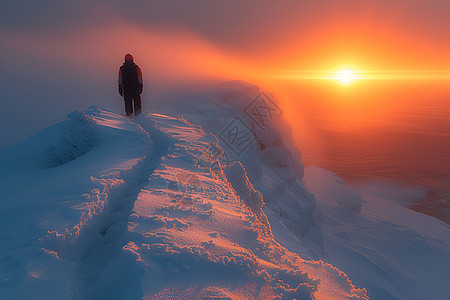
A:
[130,78]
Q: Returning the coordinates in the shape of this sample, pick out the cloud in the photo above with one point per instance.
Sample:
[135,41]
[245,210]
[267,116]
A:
[242,26]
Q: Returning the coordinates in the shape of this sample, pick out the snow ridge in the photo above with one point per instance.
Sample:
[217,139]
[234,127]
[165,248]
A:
[159,216]
[238,178]
[203,240]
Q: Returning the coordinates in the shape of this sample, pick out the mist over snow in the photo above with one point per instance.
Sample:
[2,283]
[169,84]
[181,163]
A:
[205,196]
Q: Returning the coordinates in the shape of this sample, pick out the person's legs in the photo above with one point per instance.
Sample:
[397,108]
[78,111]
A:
[137,104]
[128,104]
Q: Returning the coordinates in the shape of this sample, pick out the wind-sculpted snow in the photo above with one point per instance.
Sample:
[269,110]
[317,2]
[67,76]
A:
[77,139]
[237,176]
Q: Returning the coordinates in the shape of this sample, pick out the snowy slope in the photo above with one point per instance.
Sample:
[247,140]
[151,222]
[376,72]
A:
[213,204]
[54,216]
[100,207]
[394,252]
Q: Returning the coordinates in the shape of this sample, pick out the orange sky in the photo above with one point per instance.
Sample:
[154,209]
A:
[258,41]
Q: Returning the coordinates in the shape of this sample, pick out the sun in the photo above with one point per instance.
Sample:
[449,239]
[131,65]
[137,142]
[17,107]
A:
[345,76]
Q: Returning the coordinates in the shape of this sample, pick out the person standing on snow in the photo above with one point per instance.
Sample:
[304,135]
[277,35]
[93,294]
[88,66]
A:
[131,85]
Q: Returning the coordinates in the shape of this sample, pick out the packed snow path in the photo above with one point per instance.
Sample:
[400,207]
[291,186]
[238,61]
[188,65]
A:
[99,237]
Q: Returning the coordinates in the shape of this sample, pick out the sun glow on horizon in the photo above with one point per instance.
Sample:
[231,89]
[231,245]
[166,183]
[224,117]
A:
[348,75]
[345,76]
